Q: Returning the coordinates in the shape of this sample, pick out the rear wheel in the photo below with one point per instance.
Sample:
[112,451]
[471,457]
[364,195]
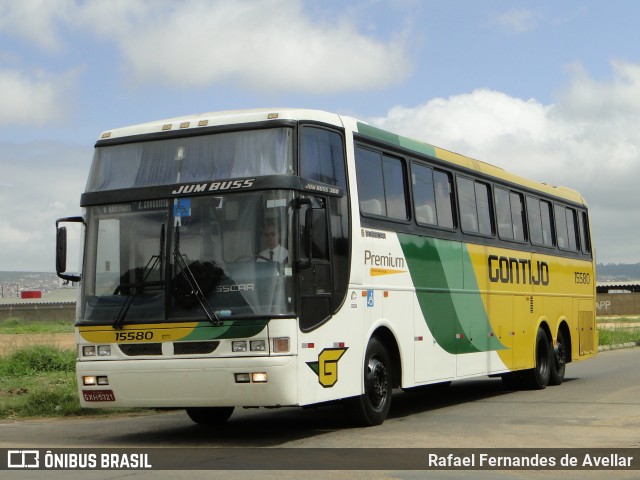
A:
[538,377]
[209,415]
[559,360]
[373,406]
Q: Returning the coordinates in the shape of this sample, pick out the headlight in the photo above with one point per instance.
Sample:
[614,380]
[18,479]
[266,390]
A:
[104,350]
[89,351]
[239,346]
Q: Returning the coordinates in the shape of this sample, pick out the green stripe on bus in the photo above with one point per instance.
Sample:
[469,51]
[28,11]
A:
[448,294]
[235,329]
[397,140]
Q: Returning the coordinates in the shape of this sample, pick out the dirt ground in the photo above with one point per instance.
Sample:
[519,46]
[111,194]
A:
[11,342]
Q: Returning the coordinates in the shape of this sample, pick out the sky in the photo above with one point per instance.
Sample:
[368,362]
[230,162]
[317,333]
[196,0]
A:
[545,89]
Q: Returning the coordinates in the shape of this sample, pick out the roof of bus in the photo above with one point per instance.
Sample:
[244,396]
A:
[231,117]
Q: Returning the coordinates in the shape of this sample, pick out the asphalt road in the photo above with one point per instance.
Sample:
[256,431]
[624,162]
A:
[598,406]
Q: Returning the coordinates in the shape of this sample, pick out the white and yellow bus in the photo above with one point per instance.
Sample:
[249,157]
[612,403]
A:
[292,257]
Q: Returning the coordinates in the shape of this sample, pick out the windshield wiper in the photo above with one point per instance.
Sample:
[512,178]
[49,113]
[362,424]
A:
[182,261]
[149,267]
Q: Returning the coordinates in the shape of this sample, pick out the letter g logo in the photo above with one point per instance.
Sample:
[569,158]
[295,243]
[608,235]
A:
[327,366]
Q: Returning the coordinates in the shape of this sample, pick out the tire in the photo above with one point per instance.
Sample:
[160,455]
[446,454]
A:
[538,377]
[559,360]
[373,406]
[209,415]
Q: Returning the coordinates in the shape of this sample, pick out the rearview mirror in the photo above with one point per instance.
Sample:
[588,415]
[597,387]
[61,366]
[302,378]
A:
[61,249]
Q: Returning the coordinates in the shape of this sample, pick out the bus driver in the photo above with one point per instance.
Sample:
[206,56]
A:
[274,251]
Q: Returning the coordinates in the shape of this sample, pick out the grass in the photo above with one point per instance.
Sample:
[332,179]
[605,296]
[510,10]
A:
[612,329]
[617,336]
[17,325]
[38,381]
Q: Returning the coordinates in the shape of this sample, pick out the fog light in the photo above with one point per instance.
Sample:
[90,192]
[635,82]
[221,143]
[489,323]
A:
[89,351]
[259,377]
[258,346]
[89,381]
[281,345]
[104,350]
[239,346]
[242,378]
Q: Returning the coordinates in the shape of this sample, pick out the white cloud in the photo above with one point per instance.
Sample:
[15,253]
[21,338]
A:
[270,45]
[263,45]
[587,139]
[517,21]
[33,99]
[35,20]
[42,182]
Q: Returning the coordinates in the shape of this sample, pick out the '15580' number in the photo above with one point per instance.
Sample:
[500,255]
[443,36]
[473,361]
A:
[133,336]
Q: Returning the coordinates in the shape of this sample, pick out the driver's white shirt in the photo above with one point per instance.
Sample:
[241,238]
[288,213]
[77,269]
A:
[277,254]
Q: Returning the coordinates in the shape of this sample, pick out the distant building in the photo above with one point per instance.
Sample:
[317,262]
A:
[55,306]
[618,298]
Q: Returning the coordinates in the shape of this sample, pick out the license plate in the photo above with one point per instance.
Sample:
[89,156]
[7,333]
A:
[98,396]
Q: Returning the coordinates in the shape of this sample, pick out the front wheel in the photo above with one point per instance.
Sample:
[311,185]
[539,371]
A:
[373,406]
[209,415]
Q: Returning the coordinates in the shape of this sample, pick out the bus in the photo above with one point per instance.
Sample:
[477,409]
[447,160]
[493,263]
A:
[291,257]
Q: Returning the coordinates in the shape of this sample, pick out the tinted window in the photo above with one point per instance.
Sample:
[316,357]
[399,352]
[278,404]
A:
[444,198]
[509,214]
[467,201]
[394,189]
[539,213]
[566,229]
[535,223]
[424,196]
[484,210]
[370,190]
[475,211]
[572,229]
[503,213]
[585,242]
[432,196]
[517,216]
[547,232]
[381,185]
[322,156]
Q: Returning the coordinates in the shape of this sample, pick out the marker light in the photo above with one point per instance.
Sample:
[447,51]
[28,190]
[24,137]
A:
[89,381]
[259,377]
[281,345]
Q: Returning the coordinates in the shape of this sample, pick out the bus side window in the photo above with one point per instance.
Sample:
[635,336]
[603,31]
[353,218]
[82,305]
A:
[503,213]
[322,156]
[475,210]
[583,227]
[424,197]
[539,215]
[381,185]
[444,198]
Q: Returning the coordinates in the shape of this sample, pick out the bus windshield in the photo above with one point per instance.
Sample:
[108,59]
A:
[220,156]
[190,258]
